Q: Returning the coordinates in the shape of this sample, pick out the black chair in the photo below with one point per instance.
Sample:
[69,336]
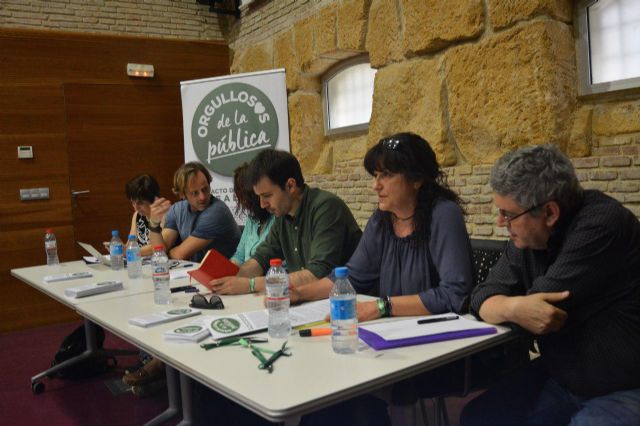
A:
[485,254]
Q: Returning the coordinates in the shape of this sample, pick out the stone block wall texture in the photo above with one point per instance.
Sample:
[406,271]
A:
[476,78]
[180,19]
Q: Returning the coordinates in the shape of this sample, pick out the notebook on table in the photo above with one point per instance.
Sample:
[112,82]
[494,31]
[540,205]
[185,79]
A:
[394,334]
[214,265]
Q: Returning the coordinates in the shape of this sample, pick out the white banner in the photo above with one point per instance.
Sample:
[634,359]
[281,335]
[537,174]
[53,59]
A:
[228,120]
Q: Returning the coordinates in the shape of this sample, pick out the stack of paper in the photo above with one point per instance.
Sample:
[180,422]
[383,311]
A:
[162,317]
[221,326]
[93,288]
[194,331]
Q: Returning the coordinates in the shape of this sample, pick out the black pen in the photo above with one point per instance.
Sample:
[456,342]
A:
[432,320]
[185,288]
[178,265]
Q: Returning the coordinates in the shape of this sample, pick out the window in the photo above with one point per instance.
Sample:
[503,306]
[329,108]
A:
[348,97]
[608,46]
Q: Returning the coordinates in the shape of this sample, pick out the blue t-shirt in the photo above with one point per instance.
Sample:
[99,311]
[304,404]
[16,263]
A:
[215,223]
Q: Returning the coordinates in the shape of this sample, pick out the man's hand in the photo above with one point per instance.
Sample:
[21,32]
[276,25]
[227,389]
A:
[294,294]
[159,208]
[537,313]
[230,285]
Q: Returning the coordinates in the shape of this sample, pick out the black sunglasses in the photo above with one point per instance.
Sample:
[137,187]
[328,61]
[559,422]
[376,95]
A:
[201,302]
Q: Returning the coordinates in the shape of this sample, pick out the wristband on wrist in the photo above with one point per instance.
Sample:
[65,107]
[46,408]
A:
[381,310]
[154,227]
[252,285]
[387,305]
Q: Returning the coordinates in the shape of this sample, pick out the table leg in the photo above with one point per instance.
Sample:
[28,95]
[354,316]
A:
[174,401]
[187,406]
[292,421]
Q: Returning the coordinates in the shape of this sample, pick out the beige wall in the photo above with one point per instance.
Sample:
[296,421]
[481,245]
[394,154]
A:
[476,78]
[153,18]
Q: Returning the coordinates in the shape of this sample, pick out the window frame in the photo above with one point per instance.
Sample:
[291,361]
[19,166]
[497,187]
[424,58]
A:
[583,58]
[336,69]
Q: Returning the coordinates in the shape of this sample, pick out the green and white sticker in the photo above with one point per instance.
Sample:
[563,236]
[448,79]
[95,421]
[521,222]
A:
[188,329]
[178,311]
[231,123]
[225,325]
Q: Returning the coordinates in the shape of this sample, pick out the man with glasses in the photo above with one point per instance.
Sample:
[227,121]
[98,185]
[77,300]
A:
[195,224]
[569,278]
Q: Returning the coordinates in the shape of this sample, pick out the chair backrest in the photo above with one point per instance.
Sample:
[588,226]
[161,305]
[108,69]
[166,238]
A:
[485,254]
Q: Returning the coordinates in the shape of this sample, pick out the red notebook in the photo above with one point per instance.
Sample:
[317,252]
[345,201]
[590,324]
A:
[213,265]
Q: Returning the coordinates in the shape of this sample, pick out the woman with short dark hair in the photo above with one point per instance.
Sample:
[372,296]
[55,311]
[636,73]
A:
[142,191]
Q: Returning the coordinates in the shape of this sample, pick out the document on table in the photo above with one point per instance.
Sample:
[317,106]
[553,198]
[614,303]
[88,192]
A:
[221,326]
[93,288]
[162,317]
[408,332]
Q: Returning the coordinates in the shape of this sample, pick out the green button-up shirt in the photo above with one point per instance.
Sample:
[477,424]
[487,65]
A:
[322,235]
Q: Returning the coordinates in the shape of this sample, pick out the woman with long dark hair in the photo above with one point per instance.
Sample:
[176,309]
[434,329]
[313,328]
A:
[259,220]
[415,251]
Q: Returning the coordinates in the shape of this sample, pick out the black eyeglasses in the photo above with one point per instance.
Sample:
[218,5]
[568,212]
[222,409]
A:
[201,302]
[508,217]
[391,144]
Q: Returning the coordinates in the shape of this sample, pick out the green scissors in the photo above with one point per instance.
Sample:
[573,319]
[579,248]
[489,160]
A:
[231,341]
[268,363]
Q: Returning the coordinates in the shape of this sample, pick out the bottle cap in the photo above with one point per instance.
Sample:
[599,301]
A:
[132,237]
[114,233]
[341,272]
[275,262]
[158,247]
[49,231]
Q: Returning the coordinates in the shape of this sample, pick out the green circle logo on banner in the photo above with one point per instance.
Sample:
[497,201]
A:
[231,123]
[225,325]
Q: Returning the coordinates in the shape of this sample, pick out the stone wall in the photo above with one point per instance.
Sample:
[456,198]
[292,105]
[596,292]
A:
[184,19]
[476,78]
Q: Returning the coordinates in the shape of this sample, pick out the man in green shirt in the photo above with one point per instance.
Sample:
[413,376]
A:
[314,230]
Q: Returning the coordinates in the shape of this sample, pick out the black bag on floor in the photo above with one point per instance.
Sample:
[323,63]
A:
[73,345]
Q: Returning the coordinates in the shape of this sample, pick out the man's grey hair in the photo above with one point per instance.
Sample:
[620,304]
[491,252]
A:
[534,175]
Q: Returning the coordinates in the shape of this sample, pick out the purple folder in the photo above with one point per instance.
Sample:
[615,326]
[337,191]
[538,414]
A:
[377,342]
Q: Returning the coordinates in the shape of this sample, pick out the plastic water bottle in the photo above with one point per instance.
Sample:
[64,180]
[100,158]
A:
[134,260]
[115,251]
[160,275]
[277,286]
[344,321]
[51,247]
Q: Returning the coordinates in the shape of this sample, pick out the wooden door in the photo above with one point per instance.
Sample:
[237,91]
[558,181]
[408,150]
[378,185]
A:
[116,132]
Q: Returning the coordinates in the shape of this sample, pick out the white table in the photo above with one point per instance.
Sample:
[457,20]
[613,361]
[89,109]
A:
[312,378]
[34,276]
